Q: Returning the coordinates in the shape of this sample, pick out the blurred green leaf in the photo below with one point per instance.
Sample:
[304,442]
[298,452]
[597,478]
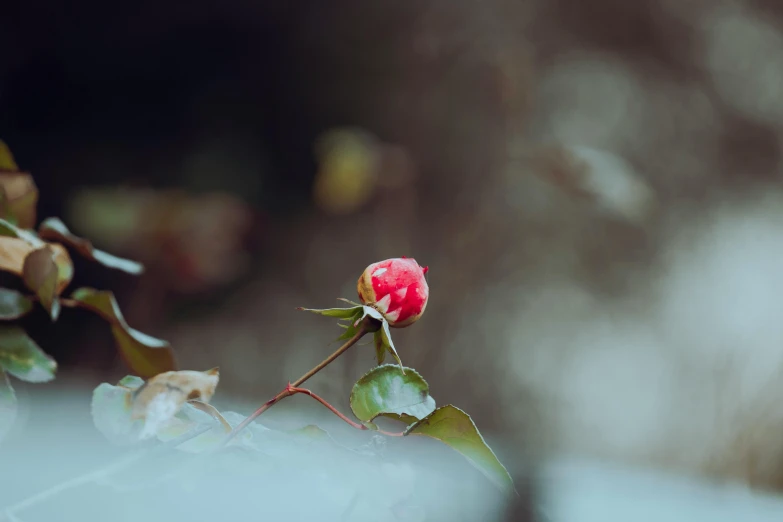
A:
[54,229]
[41,275]
[111,414]
[455,428]
[347,171]
[13,304]
[23,358]
[147,356]
[387,391]
[9,229]
[343,313]
[7,162]
[8,405]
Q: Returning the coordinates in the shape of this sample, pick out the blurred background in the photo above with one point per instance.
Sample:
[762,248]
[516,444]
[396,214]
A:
[594,186]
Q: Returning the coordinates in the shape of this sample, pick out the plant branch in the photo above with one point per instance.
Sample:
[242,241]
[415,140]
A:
[368,325]
[337,412]
[329,407]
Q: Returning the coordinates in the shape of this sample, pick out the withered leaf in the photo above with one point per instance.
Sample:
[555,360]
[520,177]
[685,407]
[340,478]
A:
[16,244]
[20,195]
[160,398]
[20,198]
[40,275]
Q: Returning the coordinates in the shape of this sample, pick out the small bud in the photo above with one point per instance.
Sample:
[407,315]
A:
[397,289]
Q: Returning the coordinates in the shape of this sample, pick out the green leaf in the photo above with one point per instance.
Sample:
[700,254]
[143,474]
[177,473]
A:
[343,313]
[40,274]
[351,328]
[54,229]
[23,358]
[387,391]
[8,405]
[387,342]
[13,304]
[455,428]
[380,347]
[147,356]
[111,413]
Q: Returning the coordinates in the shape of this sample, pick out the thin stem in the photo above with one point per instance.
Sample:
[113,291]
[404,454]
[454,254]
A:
[368,325]
[329,407]
[337,412]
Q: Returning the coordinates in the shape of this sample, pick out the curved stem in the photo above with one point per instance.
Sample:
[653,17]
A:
[329,407]
[368,325]
[337,412]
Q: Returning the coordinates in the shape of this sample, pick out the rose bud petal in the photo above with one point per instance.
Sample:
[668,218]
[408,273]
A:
[397,289]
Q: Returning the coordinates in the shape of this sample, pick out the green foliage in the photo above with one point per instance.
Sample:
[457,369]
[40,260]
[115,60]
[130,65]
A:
[146,355]
[353,317]
[13,304]
[21,357]
[454,427]
[45,267]
[172,406]
[383,344]
[342,313]
[54,229]
[387,391]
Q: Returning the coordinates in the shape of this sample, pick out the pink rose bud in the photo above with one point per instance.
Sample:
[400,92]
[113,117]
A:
[397,289]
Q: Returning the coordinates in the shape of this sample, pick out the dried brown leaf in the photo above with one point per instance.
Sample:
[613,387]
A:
[14,251]
[40,275]
[160,398]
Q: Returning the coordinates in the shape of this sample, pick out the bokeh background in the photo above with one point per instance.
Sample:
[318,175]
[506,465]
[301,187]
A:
[542,157]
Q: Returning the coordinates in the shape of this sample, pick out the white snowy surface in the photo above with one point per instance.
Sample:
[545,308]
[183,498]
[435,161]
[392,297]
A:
[584,491]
